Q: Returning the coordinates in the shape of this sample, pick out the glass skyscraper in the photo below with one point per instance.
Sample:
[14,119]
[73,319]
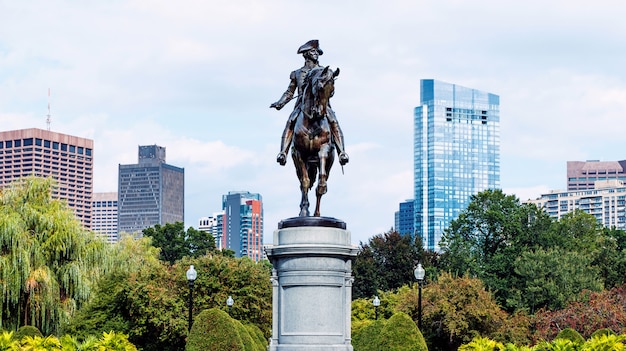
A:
[456,154]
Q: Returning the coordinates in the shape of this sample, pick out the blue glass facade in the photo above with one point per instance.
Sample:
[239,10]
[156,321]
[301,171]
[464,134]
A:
[404,222]
[456,153]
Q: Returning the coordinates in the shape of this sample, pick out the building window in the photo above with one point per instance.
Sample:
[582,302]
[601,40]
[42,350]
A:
[63,147]
[55,145]
[18,142]
[28,142]
[9,144]
[88,151]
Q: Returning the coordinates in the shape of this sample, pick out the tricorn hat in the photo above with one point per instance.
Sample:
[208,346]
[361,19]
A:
[311,44]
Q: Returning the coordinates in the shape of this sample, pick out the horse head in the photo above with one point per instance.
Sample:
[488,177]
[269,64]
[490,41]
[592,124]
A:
[322,88]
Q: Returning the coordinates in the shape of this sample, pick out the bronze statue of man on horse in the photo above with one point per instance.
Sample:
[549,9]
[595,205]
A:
[312,130]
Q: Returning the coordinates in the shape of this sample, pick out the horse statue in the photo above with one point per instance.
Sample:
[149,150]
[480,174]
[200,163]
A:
[313,150]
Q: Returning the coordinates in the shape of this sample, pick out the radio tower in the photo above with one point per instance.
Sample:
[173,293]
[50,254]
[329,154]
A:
[48,115]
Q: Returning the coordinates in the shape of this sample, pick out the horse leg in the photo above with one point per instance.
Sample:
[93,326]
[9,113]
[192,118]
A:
[324,168]
[305,182]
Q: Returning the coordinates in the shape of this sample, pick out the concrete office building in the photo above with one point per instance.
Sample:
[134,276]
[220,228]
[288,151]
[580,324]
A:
[67,159]
[582,175]
[456,154]
[606,202]
[150,192]
[104,215]
[242,224]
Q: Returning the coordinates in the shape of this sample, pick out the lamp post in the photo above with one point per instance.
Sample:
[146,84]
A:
[230,303]
[376,303]
[191,277]
[419,275]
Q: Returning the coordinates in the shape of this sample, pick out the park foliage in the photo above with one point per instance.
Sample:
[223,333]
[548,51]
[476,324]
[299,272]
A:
[507,273]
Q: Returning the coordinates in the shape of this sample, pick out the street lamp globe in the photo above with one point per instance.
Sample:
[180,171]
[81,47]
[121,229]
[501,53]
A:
[376,301]
[191,274]
[230,301]
[419,272]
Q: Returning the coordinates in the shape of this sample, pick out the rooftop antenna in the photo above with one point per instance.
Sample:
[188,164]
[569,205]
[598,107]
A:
[48,120]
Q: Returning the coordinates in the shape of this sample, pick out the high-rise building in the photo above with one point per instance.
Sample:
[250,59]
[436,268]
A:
[606,202]
[404,218]
[213,225]
[456,153]
[582,175]
[104,215]
[67,159]
[150,192]
[242,224]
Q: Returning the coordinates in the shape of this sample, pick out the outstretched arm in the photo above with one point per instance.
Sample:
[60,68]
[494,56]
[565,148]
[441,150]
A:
[288,94]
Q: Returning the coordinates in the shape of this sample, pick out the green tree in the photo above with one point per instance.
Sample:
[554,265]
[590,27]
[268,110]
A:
[385,263]
[138,297]
[147,299]
[455,310]
[553,277]
[248,283]
[612,258]
[509,246]
[48,261]
[176,243]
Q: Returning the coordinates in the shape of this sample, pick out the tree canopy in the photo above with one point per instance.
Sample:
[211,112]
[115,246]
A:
[527,259]
[385,262]
[48,261]
[176,243]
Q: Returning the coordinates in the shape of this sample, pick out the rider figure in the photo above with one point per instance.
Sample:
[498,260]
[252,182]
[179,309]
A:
[310,51]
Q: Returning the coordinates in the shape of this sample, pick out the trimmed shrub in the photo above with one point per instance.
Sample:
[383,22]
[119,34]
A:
[256,334]
[603,331]
[27,330]
[213,329]
[366,336]
[400,333]
[572,335]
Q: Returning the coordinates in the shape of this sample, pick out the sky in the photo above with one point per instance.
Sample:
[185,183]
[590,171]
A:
[198,77]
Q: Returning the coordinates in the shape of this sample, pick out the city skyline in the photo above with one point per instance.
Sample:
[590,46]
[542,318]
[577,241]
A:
[198,79]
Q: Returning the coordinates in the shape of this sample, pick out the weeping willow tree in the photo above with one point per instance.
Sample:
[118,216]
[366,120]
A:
[48,261]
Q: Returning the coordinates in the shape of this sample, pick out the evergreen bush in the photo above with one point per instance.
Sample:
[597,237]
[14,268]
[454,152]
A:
[213,329]
[603,331]
[366,336]
[572,335]
[400,333]
[27,330]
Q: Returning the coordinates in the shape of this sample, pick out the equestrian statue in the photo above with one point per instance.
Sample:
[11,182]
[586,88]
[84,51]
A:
[312,131]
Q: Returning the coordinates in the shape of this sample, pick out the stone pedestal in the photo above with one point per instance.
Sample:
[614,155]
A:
[312,285]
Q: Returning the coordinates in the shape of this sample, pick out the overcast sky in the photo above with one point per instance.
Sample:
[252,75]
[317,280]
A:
[197,77]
